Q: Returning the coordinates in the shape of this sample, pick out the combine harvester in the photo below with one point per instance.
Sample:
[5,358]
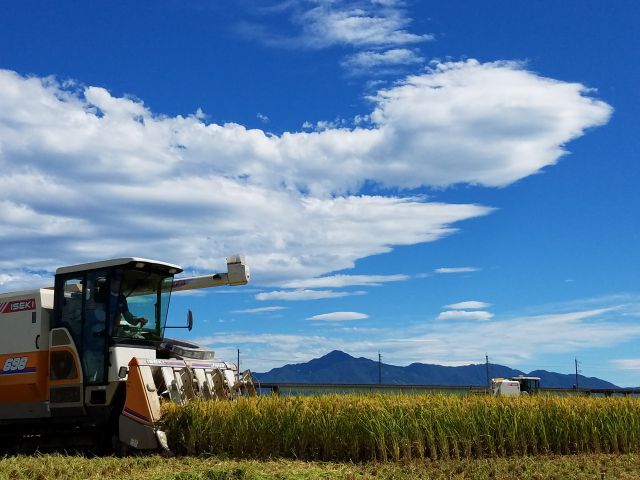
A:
[87,359]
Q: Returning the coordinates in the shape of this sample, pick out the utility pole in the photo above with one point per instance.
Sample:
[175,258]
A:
[379,368]
[576,362]
[238,364]
[486,356]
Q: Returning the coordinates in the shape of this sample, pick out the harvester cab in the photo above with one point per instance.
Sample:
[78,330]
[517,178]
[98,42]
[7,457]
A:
[528,385]
[90,355]
[515,386]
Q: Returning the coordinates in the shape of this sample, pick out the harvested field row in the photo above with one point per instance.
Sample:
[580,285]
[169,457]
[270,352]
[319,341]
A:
[62,467]
[403,427]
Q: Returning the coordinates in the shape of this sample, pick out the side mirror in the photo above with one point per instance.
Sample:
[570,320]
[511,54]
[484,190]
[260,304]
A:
[189,321]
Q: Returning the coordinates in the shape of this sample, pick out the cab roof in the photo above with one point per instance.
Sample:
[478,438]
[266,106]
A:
[115,262]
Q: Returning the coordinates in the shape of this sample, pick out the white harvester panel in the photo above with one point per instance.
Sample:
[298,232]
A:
[26,315]
[24,356]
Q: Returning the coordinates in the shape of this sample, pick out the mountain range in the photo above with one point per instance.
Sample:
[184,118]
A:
[338,367]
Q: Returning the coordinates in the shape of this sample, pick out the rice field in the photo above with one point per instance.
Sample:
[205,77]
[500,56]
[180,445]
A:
[382,428]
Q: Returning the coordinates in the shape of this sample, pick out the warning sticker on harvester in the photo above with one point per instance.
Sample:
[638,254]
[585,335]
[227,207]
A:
[18,306]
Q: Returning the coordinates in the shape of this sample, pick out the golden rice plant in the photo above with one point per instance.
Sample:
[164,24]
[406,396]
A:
[403,427]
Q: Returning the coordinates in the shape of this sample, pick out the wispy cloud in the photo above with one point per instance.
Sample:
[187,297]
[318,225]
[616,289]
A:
[337,281]
[471,304]
[326,23]
[339,316]
[465,315]
[456,270]
[518,339]
[377,29]
[356,23]
[260,310]
[363,62]
[627,363]
[191,293]
[298,295]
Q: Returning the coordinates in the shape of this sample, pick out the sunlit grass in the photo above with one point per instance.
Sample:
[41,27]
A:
[404,427]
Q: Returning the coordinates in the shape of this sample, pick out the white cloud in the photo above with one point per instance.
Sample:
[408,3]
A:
[627,363]
[322,125]
[456,270]
[337,281]
[91,175]
[455,105]
[23,280]
[489,124]
[263,118]
[298,295]
[361,62]
[260,310]
[471,304]
[465,315]
[339,316]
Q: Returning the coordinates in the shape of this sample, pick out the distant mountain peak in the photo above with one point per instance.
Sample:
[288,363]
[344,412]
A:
[336,355]
[339,367]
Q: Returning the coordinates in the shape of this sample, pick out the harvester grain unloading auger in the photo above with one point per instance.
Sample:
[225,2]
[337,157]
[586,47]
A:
[89,356]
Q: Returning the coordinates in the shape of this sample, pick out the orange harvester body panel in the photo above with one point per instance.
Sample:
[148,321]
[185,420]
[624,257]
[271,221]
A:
[137,405]
[24,380]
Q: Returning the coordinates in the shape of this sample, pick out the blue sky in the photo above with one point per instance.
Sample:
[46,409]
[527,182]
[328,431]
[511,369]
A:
[432,180]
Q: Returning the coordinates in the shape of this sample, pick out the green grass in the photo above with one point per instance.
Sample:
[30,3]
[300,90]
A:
[572,467]
[365,428]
